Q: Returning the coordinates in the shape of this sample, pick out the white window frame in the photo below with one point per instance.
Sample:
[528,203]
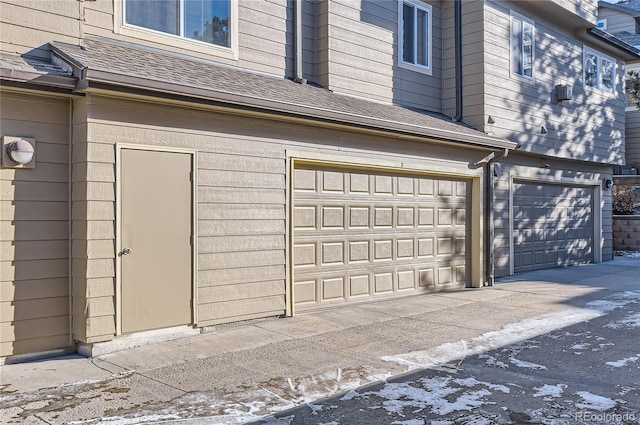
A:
[514,16]
[598,86]
[182,43]
[425,69]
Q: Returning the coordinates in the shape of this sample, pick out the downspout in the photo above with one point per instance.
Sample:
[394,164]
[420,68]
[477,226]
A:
[458,54]
[298,43]
[70,223]
[490,162]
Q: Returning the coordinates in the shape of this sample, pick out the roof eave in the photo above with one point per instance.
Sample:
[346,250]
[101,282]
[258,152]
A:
[37,78]
[121,81]
[630,53]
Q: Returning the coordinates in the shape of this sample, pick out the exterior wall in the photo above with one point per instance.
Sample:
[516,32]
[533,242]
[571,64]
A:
[526,167]
[474,40]
[627,232]
[632,127]
[29,25]
[617,21]
[589,127]
[361,40]
[34,228]
[242,203]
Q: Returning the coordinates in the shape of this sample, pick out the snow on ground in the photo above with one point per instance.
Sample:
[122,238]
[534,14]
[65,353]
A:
[439,394]
[508,335]
[595,402]
[632,320]
[527,365]
[550,390]
[624,362]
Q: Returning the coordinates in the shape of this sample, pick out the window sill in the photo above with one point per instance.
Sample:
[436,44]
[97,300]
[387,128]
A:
[416,68]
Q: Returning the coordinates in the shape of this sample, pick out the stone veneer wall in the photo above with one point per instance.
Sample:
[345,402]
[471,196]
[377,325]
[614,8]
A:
[626,232]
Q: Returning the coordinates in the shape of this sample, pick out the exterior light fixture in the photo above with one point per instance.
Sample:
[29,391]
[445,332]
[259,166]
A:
[490,120]
[608,184]
[543,130]
[18,152]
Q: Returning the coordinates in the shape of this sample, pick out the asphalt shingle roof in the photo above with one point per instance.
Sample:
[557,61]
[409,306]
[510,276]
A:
[124,60]
[31,65]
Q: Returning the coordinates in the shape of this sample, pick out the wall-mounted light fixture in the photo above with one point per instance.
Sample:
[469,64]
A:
[18,152]
[608,184]
[543,130]
[490,120]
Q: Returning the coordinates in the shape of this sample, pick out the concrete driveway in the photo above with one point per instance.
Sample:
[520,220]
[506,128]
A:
[540,347]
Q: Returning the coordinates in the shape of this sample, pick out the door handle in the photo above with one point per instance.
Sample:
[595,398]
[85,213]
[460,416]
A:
[125,251]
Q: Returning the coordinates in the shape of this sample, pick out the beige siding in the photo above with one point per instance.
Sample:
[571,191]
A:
[29,25]
[473,66]
[633,138]
[34,229]
[588,127]
[241,189]
[362,56]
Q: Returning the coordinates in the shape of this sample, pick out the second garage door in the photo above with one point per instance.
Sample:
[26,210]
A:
[553,225]
[359,235]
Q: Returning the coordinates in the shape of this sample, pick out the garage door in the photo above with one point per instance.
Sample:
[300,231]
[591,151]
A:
[360,235]
[553,225]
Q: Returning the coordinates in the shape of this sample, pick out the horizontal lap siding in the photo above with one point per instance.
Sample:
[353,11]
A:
[362,48]
[241,203]
[34,229]
[633,138]
[590,126]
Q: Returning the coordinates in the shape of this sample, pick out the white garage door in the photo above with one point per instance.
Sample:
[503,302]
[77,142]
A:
[553,225]
[359,235]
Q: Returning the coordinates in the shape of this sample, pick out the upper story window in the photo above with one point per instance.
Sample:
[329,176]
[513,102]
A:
[415,35]
[202,20]
[522,46]
[599,71]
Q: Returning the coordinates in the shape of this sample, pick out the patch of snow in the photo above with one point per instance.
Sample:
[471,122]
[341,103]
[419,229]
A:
[438,395]
[583,346]
[623,362]
[632,320]
[594,402]
[119,420]
[509,334]
[606,306]
[350,395]
[550,390]
[409,422]
[527,365]
[472,382]
[492,361]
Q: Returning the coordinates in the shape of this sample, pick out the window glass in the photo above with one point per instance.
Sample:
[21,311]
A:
[159,15]
[408,36]
[606,72]
[522,47]
[527,49]
[422,39]
[416,34]
[590,70]
[599,71]
[202,20]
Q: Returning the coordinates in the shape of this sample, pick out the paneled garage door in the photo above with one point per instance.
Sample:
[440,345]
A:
[359,235]
[553,225]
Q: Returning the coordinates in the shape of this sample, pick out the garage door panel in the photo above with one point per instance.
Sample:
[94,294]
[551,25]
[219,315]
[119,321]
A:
[360,235]
[553,225]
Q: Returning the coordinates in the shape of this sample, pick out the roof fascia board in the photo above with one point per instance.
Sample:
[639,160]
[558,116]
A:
[37,78]
[630,52]
[266,105]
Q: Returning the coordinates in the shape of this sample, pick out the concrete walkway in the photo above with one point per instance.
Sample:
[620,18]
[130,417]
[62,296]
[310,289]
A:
[240,374]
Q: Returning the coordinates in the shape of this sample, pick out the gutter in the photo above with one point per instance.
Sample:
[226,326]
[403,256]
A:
[298,43]
[490,162]
[614,42]
[49,80]
[458,54]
